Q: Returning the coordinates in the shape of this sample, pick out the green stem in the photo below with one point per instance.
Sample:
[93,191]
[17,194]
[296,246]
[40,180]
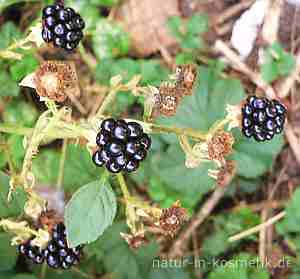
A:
[179,131]
[14,129]
[62,165]
[107,101]
[123,187]
[43,271]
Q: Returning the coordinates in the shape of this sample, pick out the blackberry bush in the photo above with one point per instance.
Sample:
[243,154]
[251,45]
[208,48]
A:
[62,27]
[122,145]
[262,118]
[57,254]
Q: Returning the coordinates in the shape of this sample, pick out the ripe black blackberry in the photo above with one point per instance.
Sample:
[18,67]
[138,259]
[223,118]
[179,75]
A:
[262,118]
[122,145]
[62,27]
[57,254]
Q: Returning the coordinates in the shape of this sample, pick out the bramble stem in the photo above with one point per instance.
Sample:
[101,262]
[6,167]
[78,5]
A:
[179,131]
[14,129]
[62,165]
[123,187]
[107,101]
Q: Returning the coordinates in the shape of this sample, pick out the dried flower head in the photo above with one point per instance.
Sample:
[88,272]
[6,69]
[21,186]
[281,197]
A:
[49,219]
[135,241]
[168,99]
[220,145]
[185,78]
[234,116]
[54,80]
[34,206]
[225,174]
[172,218]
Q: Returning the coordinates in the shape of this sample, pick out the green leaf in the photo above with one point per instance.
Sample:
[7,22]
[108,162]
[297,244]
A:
[269,71]
[175,23]
[8,33]
[24,276]
[20,113]
[244,266]
[109,40]
[197,24]
[291,222]
[191,42]
[277,63]
[8,253]
[90,211]
[79,168]
[169,273]
[8,86]
[15,207]
[107,3]
[119,259]
[23,67]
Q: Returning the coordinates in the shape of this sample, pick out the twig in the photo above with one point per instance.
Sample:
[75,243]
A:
[256,229]
[232,11]
[271,25]
[293,141]
[236,63]
[76,102]
[177,248]
[262,236]
[107,101]
[196,255]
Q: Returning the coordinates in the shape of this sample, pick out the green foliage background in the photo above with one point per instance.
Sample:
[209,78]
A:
[164,173]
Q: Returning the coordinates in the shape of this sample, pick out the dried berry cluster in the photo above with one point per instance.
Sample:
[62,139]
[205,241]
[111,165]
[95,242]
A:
[56,254]
[170,95]
[262,118]
[122,145]
[62,26]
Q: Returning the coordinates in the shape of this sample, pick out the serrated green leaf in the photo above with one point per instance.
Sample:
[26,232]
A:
[107,3]
[79,168]
[24,276]
[174,24]
[119,259]
[90,212]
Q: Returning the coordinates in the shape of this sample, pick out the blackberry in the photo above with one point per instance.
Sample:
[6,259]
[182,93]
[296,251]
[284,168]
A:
[57,254]
[31,252]
[62,26]
[262,118]
[122,145]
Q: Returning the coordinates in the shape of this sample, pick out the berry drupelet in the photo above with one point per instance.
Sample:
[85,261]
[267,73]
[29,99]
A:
[57,254]
[122,145]
[62,27]
[262,118]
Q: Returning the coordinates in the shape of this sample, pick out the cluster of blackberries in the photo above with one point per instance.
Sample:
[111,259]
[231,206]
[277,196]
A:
[62,26]
[262,118]
[56,254]
[122,145]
